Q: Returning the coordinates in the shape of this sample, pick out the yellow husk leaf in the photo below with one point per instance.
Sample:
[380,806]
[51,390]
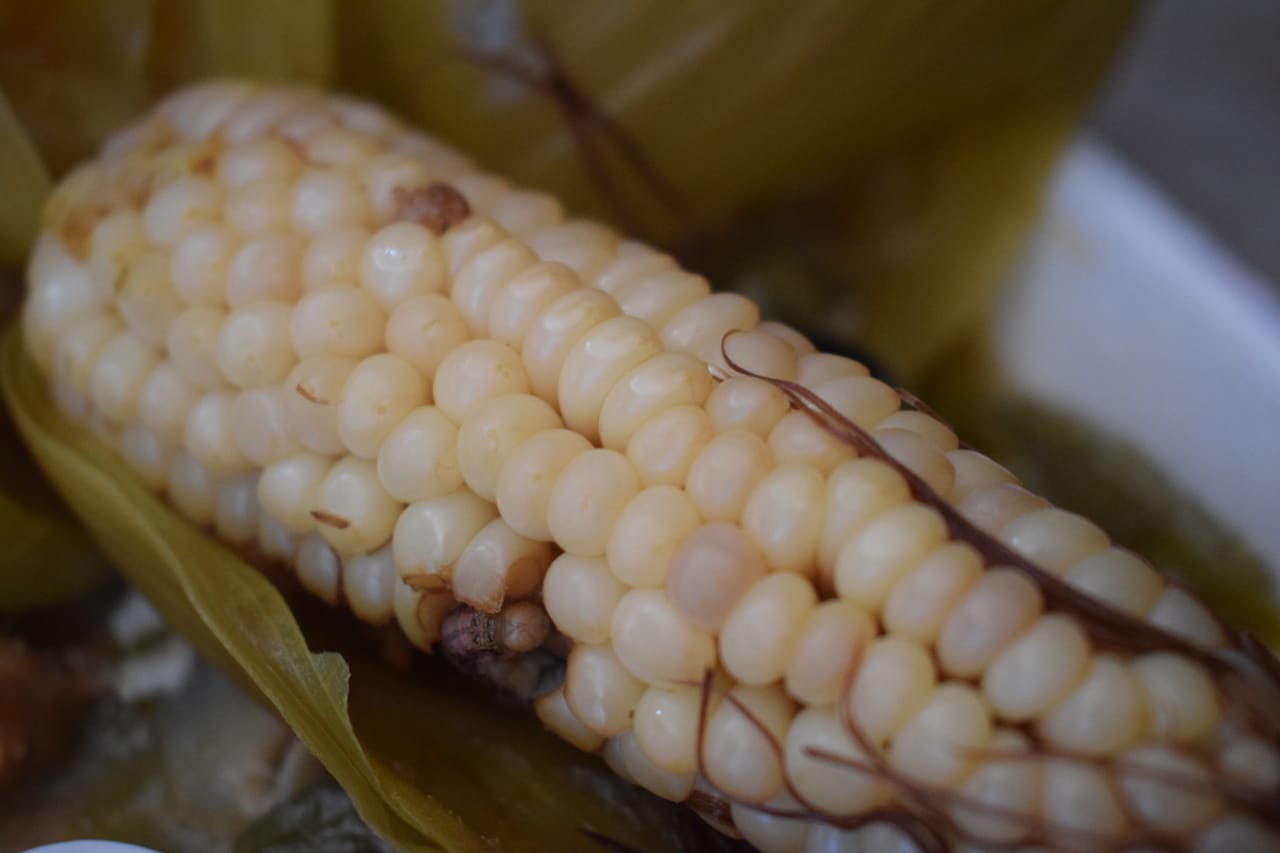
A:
[428,765]
[25,185]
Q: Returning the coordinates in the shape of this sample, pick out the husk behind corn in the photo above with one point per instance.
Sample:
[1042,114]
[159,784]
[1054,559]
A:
[788,92]
[428,767]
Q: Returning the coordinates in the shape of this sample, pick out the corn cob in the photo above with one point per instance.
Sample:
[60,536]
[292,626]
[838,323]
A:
[792,598]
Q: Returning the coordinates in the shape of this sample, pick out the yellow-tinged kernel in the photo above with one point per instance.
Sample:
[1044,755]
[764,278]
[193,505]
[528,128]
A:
[658,298]
[999,607]
[402,260]
[264,268]
[522,299]
[493,429]
[192,344]
[580,594]
[656,643]
[312,395]
[760,633]
[424,329]
[818,367]
[893,543]
[553,332]
[115,382]
[192,489]
[675,787]
[368,586]
[921,601]
[583,246]
[146,299]
[476,371]
[599,689]
[210,436]
[661,381]
[828,769]
[261,427]
[646,534]
[554,712]
[894,680]
[334,258]
[595,364]
[827,649]
[1103,714]
[338,321]
[748,403]
[993,507]
[796,438]
[1001,797]
[762,354]
[478,282]
[498,564]
[725,472]
[665,721]
[792,336]
[236,509]
[938,745]
[1169,790]
[784,514]
[1118,577]
[772,829]
[529,476]
[700,327]
[742,749]
[587,499]
[430,535]
[1054,539]
[1182,701]
[1037,670]
[857,491]
[319,569]
[352,511]
[917,455]
[664,447]
[287,489]
[253,345]
[379,393]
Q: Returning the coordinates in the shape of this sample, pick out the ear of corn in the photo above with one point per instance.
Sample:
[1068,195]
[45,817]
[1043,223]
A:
[786,593]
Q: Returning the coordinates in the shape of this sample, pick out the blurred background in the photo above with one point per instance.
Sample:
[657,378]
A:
[1194,103]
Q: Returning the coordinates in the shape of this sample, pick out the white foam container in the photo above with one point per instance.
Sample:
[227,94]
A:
[1128,314]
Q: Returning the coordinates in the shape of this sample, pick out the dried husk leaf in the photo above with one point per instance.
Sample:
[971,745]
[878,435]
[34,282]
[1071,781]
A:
[729,99]
[429,763]
[25,183]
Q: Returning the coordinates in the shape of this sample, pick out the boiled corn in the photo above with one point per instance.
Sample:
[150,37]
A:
[334,339]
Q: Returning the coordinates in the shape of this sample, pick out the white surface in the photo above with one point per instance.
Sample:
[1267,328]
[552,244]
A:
[90,847]
[1130,315]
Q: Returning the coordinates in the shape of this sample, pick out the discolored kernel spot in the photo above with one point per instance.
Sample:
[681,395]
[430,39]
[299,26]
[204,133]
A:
[438,206]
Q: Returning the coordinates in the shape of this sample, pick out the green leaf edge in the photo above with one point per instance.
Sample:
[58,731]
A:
[288,675]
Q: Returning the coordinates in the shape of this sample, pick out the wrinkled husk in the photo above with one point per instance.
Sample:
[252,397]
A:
[429,762]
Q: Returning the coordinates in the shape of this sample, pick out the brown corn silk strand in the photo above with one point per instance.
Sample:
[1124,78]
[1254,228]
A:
[1247,666]
[914,402]
[595,133]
